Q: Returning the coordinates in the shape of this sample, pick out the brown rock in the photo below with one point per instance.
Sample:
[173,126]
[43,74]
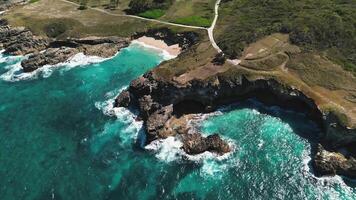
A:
[123,100]
[332,163]
[196,144]
[156,122]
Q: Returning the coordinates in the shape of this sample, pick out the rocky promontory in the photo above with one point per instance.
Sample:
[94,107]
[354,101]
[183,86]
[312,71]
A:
[48,51]
[62,50]
[164,105]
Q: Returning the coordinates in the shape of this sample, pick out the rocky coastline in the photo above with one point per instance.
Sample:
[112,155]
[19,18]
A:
[48,51]
[165,107]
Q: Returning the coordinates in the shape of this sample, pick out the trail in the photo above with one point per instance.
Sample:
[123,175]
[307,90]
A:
[211,34]
[138,17]
[210,29]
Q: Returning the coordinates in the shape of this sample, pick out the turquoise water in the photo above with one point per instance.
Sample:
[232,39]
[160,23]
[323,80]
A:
[61,139]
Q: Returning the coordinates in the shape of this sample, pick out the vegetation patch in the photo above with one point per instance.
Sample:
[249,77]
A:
[152,14]
[33,1]
[55,29]
[319,25]
[141,6]
[194,21]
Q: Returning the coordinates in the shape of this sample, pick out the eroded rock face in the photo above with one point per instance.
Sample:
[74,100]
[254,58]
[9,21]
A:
[156,122]
[196,144]
[61,51]
[332,163]
[20,41]
[46,51]
[151,93]
[123,100]
[49,57]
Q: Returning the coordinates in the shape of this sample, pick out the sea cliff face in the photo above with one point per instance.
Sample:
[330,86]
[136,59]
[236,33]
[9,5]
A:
[160,100]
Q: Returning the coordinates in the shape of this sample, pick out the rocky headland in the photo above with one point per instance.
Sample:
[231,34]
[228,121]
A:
[165,106]
[48,51]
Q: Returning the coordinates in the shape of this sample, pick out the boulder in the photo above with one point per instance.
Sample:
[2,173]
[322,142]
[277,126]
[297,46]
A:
[123,100]
[196,144]
[332,163]
[156,122]
[49,57]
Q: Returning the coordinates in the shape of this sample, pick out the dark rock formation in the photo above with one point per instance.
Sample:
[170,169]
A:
[123,100]
[156,122]
[61,51]
[7,4]
[46,51]
[21,41]
[332,163]
[196,144]
[151,93]
[49,57]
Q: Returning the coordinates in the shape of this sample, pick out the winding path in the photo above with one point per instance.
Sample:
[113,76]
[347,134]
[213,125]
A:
[210,29]
[138,17]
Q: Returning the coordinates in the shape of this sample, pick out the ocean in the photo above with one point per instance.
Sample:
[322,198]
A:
[60,138]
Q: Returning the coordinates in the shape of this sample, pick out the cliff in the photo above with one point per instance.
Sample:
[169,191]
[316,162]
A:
[270,71]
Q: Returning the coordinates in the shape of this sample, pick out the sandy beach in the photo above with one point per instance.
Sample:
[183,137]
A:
[173,50]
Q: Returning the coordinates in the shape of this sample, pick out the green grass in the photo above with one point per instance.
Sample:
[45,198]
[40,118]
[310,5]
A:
[315,25]
[152,14]
[33,1]
[194,21]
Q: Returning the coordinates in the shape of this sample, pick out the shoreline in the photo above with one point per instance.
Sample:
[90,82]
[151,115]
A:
[169,52]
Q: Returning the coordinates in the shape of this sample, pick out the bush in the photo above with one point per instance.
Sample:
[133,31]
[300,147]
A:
[194,21]
[55,29]
[152,14]
[140,6]
[315,25]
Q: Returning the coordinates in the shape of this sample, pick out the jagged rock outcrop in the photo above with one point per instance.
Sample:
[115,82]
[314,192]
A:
[46,51]
[123,100]
[7,4]
[62,50]
[49,57]
[196,144]
[156,122]
[20,40]
[151,93]
[332,163]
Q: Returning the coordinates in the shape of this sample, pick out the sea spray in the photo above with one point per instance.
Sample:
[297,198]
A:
[15,72]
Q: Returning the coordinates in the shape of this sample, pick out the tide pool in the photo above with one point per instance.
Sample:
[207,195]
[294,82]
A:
[60,138]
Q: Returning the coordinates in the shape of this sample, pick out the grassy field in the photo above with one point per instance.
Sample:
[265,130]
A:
[327,26]
[76,23]
[189,12]
[194,21]
[152,14]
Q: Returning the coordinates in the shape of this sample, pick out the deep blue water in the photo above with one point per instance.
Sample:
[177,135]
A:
[61,139]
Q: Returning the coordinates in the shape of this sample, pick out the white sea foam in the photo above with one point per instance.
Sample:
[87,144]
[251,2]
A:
[326,184]
[16,73]
[122,114]
[163,53]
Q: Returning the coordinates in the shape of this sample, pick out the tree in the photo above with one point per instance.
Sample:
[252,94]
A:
[114,4]
[83,4]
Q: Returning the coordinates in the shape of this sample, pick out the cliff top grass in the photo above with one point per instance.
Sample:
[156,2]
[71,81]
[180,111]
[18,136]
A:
[75,23]
[327,26]
[188,12]
[313,70]
[273,57]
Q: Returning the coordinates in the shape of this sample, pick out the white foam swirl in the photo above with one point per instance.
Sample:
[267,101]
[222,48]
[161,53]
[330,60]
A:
[15,72]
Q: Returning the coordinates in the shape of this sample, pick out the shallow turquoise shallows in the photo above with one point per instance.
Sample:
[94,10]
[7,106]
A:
[61,139]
